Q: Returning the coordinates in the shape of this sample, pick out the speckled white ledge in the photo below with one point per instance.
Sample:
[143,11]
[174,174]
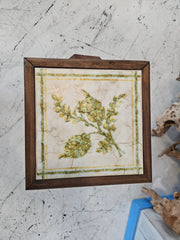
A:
[151,226]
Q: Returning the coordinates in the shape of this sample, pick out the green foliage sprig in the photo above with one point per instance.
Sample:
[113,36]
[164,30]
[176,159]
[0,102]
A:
[92,113]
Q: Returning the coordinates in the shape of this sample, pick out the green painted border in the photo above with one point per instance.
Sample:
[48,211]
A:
[87,170]
[136,120]
[85,75]
[42,124]
[43,172]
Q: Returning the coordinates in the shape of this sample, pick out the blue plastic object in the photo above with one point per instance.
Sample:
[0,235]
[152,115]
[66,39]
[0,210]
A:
[136,207]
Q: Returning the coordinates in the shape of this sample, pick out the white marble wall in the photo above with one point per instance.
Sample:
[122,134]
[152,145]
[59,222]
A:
[111,29]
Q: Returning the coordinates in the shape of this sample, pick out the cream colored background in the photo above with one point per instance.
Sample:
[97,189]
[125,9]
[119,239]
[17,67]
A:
[57,131]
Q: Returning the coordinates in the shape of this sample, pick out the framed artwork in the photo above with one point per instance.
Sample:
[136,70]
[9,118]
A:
[87,122]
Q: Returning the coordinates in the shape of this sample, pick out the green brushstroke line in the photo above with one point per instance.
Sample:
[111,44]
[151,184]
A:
[42,125]
[86,171]
[85,75]
[136,122]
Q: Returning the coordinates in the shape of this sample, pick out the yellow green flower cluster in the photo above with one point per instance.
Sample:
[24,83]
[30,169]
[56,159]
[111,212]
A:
[104,146]
[92,108]
[92,113]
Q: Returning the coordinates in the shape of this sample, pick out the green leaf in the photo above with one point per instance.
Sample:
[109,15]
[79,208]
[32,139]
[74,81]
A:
[76,146]
[86,94]
[121,96]
[54,97]
[113,119]
[104,146]
[112,127]
[105,126]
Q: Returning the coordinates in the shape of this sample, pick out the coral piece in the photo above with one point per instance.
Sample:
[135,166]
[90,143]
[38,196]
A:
[171,117]
[172,151]
[178,78]
[169,210]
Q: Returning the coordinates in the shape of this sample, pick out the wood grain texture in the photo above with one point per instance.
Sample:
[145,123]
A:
[84,62]
[146,110]
[30,123]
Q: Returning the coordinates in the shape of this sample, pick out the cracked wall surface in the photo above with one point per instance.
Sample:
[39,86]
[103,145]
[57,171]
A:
[112,29]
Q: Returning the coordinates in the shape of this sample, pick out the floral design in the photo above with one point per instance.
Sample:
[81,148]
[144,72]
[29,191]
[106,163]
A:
[92,113]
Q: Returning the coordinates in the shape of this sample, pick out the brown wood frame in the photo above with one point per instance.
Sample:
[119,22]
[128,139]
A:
[85,62]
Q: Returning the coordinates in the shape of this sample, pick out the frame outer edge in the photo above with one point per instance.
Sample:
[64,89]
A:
[30,132]
[30,122]
[84,63]
[147,123]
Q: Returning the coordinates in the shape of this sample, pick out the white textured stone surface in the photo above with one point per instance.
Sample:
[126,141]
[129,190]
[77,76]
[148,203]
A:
[151,226]
[114,29]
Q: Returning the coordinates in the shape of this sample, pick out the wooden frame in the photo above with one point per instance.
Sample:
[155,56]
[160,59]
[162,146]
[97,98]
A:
[82,62]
